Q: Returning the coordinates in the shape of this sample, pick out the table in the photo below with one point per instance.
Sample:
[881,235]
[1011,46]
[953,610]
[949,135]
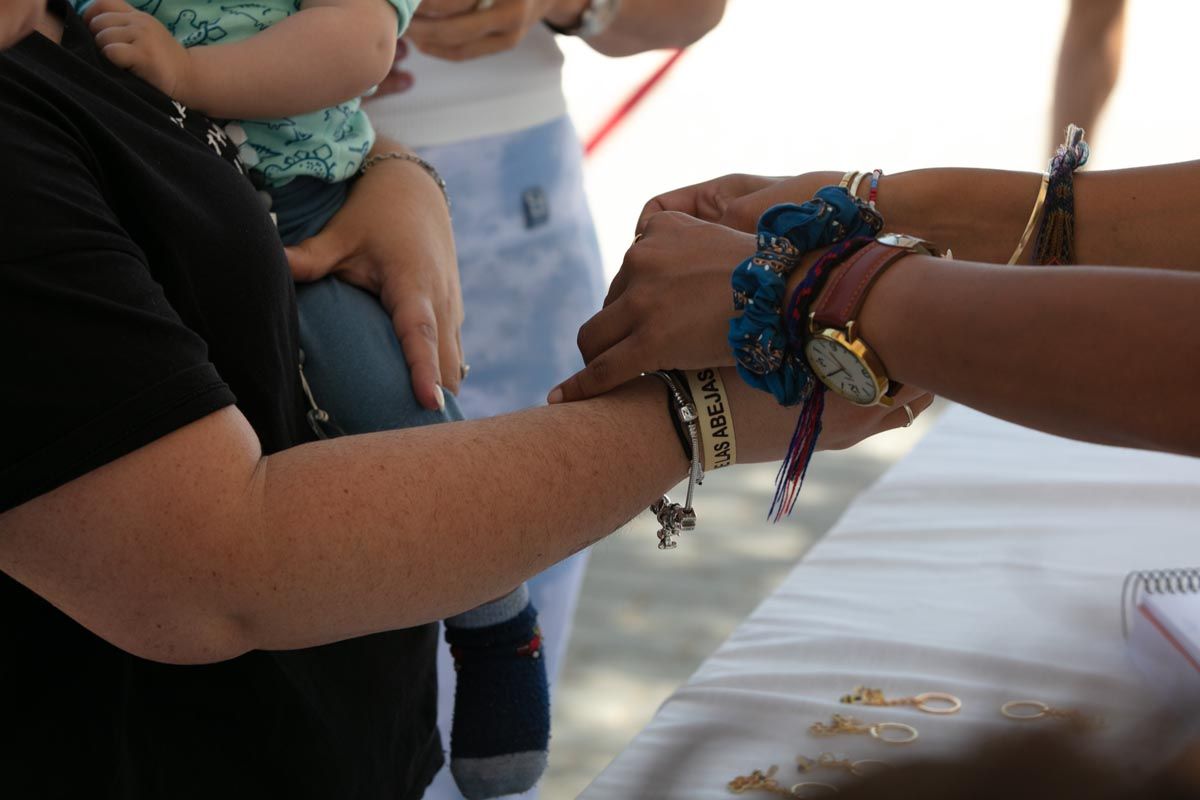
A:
[988,564]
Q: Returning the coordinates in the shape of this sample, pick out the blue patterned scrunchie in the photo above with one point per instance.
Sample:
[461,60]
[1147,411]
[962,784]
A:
[785,233]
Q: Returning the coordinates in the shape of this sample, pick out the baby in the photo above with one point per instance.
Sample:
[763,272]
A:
[290,74]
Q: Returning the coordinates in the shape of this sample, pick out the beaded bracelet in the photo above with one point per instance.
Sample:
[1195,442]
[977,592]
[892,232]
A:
[873,193]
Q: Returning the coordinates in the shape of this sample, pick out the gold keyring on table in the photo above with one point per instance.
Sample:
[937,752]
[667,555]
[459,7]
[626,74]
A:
[924,703]
[876,766]
[879,729]
[797,788]
[1040,709]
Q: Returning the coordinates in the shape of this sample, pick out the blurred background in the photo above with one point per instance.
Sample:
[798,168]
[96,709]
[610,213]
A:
[784,87]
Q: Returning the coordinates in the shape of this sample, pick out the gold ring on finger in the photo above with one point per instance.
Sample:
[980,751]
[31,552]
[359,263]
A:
[483,5]
[911,416]
[463,371]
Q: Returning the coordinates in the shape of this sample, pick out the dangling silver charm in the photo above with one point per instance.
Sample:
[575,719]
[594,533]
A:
[673,518]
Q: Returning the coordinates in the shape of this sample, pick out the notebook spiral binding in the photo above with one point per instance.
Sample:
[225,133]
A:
[1156,581]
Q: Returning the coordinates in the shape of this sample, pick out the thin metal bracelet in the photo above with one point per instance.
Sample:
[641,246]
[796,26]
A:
[1034,216]
[673,518]
[415,159]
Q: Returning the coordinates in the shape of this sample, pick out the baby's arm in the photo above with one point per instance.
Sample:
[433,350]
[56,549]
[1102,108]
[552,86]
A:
[329,52]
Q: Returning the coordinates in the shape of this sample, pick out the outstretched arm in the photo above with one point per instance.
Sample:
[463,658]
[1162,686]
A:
[1128,217]
[329,52]
[197,548]
[1098,353]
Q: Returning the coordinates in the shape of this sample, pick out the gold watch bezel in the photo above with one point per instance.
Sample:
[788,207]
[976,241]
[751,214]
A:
[862,353]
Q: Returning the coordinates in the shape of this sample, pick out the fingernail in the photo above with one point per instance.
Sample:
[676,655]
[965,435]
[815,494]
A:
[556,395]
[441,397]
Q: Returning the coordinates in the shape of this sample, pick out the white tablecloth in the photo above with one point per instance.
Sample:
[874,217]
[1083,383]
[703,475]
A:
[988,564]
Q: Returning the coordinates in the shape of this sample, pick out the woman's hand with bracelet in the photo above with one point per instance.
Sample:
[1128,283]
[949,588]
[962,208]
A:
[393,238]
[669,308]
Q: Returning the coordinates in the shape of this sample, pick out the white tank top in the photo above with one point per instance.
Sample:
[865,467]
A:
[458,101]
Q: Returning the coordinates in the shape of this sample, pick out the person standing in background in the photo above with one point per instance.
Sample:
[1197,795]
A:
[480,97]
[1089,63]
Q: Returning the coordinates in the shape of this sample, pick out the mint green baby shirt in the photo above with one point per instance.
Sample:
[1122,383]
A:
[329,144]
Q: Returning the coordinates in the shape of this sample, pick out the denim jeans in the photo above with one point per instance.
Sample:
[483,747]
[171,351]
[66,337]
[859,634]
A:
[352,358]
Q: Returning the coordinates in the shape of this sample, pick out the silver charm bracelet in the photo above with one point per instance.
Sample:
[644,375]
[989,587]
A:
[673,518]
[415,159]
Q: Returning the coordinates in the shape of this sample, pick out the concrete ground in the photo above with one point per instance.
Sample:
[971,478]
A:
[782,87]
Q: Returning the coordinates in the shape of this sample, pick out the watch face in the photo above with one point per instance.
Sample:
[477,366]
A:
[842,370]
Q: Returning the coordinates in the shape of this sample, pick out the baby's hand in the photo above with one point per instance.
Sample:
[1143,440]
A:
[136,41]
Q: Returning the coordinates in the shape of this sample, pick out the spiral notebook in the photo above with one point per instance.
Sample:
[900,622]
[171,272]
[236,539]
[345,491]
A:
[1161,620]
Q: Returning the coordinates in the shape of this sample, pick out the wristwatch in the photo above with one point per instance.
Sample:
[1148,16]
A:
[595,18]
[837,354]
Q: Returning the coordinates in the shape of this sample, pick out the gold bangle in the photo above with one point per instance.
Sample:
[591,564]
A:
[1033,218]
[849,176]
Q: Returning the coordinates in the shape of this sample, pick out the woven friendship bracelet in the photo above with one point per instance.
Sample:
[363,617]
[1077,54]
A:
[1056,236]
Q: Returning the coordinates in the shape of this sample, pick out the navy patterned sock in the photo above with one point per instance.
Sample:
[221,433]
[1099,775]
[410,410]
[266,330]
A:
[501,731]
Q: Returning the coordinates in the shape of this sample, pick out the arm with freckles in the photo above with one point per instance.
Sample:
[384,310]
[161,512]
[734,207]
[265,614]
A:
[197,547]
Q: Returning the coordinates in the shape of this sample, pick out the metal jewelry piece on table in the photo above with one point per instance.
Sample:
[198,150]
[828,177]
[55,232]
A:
[905,733]
[860,768]
[841,723]
[929,702]
[1029,710]
[757,781]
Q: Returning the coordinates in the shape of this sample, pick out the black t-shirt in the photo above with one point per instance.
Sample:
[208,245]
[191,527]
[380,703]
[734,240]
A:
[142,287]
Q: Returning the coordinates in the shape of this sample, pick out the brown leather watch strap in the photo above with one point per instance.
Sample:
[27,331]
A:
[843,296]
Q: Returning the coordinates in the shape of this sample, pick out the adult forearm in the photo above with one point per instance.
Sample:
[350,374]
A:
[1093,353]
[196,548]
[396,529]
[657,24]
[1132,217]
